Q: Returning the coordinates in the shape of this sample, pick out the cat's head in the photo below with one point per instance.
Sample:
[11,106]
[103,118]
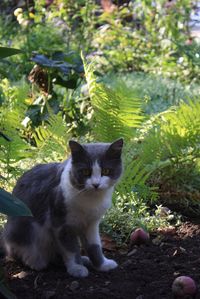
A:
[95,166]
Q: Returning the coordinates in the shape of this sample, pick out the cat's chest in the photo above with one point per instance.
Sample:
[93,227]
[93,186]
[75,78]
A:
[83,211]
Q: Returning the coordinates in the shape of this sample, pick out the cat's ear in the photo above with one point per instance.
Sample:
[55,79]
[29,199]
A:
[115,149]
[76,150]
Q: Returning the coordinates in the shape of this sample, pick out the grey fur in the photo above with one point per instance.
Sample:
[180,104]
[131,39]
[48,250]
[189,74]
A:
[96,255]
[37,241]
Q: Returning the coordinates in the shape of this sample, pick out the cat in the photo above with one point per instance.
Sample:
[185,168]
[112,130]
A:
[67,201]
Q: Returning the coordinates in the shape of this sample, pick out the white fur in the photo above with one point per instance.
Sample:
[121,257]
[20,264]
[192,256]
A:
[104,182]
[73,268]
[87,206]
[107,265]
[84,211]
[92,233]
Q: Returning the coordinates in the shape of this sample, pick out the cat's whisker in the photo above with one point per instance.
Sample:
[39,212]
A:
[83,191]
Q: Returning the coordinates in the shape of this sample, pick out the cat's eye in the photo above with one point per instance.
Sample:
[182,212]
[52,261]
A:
[86,172]
[105,171]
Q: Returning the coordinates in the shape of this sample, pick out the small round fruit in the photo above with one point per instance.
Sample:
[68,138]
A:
[139,236]
[184,286]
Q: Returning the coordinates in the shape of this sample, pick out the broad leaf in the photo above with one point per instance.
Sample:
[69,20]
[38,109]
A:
[61,66]
[6,292]
[12,206]
[6,52]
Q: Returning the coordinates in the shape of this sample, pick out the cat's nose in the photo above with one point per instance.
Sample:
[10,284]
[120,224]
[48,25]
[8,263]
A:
[96,186]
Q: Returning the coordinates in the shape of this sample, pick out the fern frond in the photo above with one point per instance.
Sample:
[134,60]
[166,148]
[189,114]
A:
[170,143]
[116,114]
[14,148]
[51,139]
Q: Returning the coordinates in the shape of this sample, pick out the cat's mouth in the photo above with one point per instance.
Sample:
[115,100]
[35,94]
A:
[95,189]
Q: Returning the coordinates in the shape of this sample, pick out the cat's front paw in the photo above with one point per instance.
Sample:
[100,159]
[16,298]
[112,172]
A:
[78,270]
[107,265]
[86,261]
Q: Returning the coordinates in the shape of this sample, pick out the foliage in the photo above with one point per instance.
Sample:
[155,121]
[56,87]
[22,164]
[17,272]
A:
[13,146]
[17,153]
[123,218]
[115,113]
[12,206]
[3,287]
[159,93]
[5,52]
[160,151]
[51,140]
[149,36]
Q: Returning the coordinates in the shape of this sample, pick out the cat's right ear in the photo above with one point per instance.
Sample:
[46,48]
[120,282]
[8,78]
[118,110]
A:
[76,150]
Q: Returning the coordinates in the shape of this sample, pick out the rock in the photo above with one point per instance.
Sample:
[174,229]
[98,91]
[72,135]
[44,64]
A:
[105,291]
[107,282]
[21,275]
[74,285]
[157,241]
[132,252]
[49,294]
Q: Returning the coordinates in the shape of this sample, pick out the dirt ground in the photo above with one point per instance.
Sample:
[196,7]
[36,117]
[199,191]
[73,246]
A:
[144,272]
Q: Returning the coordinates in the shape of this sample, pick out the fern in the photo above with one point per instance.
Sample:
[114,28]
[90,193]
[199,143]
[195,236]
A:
[160,148]
[16,154]
[13,148]
[51,139]
[116,114]
[170,152]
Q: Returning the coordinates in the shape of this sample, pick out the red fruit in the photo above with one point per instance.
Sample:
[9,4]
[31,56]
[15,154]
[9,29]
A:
[184,286]
[139,236]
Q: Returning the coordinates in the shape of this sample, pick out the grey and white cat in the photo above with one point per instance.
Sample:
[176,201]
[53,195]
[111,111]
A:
[68,201]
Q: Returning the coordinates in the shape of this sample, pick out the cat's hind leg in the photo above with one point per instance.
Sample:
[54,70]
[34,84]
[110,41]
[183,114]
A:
[23,240]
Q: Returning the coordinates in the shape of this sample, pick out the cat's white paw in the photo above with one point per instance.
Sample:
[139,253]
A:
[86,261]
[107,265]
[78,270]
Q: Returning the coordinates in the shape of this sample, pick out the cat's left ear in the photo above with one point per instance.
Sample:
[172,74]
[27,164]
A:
[115,149]
[77,150]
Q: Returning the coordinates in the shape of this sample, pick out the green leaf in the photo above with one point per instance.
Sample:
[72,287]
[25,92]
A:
[6,52]
[12,206]
[6,292]
[3,287]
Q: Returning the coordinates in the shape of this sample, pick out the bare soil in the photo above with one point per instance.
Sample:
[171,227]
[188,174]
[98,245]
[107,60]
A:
[144,272]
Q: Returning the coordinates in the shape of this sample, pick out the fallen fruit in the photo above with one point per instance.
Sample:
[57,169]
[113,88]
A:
[139,236]
[184,286]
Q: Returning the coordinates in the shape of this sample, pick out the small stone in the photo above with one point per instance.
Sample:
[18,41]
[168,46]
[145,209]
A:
[107,282]
[104,291]
[132,252]
[157,241]
[49,294]
[182,249]
[91,289]
[74,285]
[21,275]
[127,263]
